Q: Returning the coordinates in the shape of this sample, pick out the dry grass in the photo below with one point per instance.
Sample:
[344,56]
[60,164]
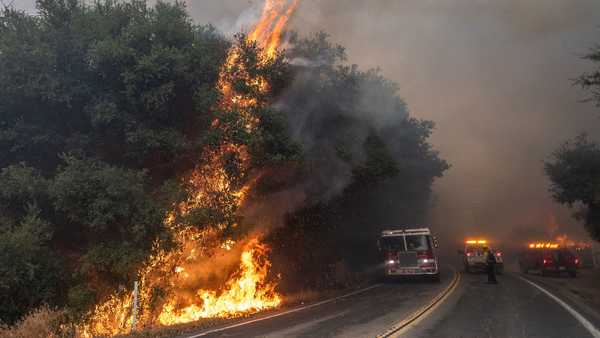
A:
[41,323]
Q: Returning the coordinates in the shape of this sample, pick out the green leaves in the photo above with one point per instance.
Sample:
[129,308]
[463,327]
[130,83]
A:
[106,106]
[272,143]
[102,198]
[30,272]
[110,116]
[574,173]
[364,162]
[574,170]
[21,189]
[379,164]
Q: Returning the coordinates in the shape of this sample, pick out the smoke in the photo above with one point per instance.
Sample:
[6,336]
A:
[243,22]
[493,75]
[327,117]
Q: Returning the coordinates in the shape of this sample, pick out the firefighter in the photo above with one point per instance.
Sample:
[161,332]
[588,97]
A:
[490,260]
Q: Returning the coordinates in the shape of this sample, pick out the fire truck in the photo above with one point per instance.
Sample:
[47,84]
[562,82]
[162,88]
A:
[474,258]
[545,258]
[585,253]
[409,252]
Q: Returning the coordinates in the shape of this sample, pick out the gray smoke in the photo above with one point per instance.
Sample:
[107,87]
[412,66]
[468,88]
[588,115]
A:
[494,76]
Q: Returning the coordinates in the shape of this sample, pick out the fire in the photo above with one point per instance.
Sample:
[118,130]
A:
[246,293]
[275,16]
[247,290]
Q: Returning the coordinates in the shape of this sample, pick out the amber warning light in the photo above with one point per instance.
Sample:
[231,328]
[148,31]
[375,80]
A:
[543,245]
[478,241]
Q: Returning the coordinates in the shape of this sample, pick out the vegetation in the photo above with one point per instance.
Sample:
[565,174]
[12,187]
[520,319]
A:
[101,109]
[367,166]
[42,322]
[105,109]
[574,168]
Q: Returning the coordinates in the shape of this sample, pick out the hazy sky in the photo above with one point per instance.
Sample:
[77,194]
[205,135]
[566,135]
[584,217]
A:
[494,75]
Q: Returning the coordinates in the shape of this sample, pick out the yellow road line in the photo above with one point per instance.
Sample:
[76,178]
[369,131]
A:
[401,327]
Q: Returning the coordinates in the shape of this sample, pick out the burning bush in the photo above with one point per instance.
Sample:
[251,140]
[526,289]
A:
[159,152]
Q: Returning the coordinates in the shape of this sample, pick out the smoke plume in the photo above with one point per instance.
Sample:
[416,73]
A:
[494,76]
[496,79]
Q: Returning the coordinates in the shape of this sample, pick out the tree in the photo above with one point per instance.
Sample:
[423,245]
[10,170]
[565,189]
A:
[102,108]
[366,163]
[574,172]
[112,114]
[574,168]
[591,80]
[30,271]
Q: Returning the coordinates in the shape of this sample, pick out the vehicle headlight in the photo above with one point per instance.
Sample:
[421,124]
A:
[391,261]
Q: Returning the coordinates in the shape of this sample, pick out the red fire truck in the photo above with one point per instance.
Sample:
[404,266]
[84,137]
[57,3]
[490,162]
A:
[545,258]
[409,252]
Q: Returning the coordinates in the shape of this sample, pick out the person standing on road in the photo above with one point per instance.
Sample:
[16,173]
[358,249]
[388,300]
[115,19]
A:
[490,260]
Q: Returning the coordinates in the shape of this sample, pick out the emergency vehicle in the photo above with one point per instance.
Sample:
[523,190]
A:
[474,258]
[545,258]
[409,252]
[585,253]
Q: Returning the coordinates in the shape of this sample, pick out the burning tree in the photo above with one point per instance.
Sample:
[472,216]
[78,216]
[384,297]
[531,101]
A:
[141,135]
[138,146]
[217,186]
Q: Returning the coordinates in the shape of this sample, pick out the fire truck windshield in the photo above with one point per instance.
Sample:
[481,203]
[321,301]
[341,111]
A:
[417,243]
[393,243]
[413,242]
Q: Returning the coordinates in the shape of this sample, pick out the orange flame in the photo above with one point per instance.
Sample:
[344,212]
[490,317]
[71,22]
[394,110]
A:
[246,293]
[247,289]
[275,16]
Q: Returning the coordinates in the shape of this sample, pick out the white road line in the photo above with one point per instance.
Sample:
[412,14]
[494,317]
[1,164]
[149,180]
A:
[586,323]
[285,312]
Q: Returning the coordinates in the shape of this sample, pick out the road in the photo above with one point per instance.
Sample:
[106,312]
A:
[513,308]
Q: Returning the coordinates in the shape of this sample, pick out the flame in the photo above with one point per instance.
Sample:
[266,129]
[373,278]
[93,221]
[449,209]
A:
[246,293]
[568,242]
[275,16]
[247,289]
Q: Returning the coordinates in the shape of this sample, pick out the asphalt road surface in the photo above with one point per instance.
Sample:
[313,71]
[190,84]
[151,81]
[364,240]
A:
[512,308]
